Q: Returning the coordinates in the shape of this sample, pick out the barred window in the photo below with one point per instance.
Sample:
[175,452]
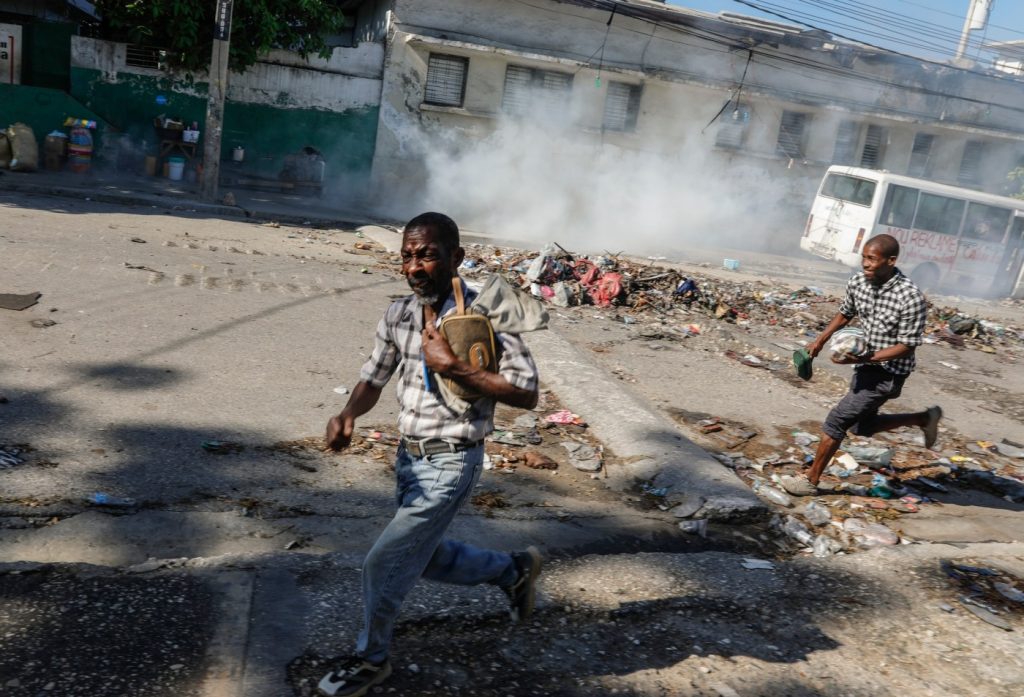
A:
[874,147]
[920,155]
[446,79]
[530,88]
[846,142]
[621,106]
[791,134]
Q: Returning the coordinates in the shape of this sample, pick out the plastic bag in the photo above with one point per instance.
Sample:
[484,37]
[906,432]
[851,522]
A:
[850,342]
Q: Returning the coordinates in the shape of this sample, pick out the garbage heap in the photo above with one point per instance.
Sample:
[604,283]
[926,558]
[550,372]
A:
[647,292]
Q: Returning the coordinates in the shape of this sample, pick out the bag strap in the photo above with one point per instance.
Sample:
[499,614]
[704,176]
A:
[460,302]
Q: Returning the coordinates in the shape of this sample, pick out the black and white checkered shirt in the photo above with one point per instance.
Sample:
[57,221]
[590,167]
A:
[423,413]
[890,314]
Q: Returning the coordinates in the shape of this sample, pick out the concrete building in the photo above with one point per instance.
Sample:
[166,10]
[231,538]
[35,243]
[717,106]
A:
[643,77]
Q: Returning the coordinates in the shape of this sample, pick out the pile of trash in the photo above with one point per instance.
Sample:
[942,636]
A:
[610,281]
[527,439]
[636,289]
[868,487]
[950,325]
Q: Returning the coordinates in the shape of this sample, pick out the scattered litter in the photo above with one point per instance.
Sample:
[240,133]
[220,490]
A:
[564,417]
[1008,592]
[986,615]
[10,456]
[758,564]
[102,499]
[695,527]
[583,457]
[341,389]
[42,323]
[951,366]
[538,461]
[139,240]
[222,447]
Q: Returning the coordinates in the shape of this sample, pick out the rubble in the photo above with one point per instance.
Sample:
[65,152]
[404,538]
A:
[642,292]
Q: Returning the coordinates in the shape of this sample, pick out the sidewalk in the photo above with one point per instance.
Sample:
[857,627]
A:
[183,196]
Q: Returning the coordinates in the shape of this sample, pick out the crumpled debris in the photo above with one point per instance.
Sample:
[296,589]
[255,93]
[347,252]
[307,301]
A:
[538,461]
[564,417]
[583,457]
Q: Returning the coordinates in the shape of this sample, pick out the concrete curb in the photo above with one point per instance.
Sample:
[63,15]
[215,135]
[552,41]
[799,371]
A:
[653,449]
[178,204]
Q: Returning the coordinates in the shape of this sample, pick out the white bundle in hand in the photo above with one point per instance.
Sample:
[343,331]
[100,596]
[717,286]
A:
[848,343]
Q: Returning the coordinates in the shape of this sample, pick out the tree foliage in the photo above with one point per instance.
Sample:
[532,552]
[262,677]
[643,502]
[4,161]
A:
[185,28]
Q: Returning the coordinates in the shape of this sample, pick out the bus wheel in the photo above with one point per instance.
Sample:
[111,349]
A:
[925,277]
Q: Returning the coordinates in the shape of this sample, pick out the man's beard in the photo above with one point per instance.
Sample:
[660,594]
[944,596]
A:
[428,294]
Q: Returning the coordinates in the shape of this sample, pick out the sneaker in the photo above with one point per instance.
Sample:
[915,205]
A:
[931,427]
[353,677]
[799,485]
[522,593]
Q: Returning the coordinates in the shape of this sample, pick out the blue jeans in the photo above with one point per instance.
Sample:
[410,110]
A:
[430,491]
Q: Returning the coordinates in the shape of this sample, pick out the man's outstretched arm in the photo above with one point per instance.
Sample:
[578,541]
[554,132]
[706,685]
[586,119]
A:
[340,428]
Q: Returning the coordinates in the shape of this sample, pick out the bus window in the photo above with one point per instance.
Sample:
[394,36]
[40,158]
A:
[900,203]
[851,189]
[986,223]
[939,214]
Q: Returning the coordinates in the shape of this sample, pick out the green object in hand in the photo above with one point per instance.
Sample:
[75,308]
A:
[802,360]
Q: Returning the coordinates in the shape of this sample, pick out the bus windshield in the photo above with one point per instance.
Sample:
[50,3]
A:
[846,188]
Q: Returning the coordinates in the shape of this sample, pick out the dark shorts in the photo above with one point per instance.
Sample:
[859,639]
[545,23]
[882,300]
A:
[871,387]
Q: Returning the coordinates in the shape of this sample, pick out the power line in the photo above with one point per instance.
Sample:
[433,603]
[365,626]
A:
[730,45]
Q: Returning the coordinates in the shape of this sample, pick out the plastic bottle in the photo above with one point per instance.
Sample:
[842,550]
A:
[817,514]
[101,499]
[772,494]
[795,529]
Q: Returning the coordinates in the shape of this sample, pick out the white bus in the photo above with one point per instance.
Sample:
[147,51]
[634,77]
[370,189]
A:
[957,239]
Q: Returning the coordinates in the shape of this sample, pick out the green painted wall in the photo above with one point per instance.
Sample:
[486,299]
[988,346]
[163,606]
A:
[43,109]
[267,132]
[130,103]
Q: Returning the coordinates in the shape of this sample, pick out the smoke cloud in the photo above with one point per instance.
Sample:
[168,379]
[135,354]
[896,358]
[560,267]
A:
[541,180]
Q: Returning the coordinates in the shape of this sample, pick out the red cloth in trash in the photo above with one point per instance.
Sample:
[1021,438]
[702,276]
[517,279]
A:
[607,289]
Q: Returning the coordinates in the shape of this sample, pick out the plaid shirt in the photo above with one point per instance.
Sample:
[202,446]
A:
[423,413]
[892,314]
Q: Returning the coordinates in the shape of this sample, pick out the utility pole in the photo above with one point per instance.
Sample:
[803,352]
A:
[977,18]
[214,128]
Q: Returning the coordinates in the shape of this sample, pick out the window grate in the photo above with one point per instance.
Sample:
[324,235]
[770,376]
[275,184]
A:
[446,80]
[970,163]
[846,142]
[529,88]
[874,143]
[621,107]
[791,134]
[145,57]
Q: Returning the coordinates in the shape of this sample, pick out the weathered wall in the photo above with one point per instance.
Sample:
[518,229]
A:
[278,106]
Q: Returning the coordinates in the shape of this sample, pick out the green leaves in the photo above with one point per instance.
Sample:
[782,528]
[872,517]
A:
[185,28]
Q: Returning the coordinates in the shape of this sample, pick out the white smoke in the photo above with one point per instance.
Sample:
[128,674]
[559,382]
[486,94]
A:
[536,180]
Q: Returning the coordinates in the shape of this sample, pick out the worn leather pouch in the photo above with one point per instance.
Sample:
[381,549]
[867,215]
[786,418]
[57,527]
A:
[472,340]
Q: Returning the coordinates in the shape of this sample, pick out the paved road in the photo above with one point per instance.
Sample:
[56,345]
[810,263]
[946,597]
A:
[236,572]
